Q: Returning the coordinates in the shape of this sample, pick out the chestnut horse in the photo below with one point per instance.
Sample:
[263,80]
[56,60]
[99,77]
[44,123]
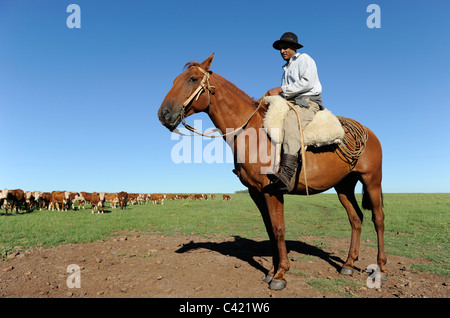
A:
[197,89]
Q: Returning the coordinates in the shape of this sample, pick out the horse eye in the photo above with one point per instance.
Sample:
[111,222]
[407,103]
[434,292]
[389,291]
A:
[192,79]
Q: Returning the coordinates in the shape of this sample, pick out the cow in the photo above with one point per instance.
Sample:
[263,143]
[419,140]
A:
[29,200]
[112,198]
[147,197]
[226,197]
[57,198]
[198,197]
[171,196]
[123,198]
[75,197]
[37,199]
[85,197]
[97,201]
[13,198]
[132,198]
[213,196]
[42,199]
[155,197]
[141,198]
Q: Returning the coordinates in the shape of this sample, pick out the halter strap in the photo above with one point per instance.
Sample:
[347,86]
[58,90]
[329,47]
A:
[204,85]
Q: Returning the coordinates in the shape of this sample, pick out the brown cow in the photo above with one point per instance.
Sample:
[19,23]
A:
[112,198]
[226,197]
[85,197]
[75,197]
[13,198]
[141,198]
[57,198]
[97,201]
[43,200]
[155,197]
[171,196]
[38,199]
[123,198]
[29,200]
[133,198]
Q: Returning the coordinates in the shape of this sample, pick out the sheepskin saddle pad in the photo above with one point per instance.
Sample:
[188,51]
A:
[324,129]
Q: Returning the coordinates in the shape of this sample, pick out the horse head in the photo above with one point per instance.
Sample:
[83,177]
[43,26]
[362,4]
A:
[189,94]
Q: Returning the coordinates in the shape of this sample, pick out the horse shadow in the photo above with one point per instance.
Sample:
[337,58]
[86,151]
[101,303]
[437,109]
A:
[247,249]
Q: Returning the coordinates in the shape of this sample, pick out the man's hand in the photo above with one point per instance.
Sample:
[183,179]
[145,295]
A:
[274,91]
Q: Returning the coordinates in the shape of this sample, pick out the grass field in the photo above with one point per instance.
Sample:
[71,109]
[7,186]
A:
[417,225]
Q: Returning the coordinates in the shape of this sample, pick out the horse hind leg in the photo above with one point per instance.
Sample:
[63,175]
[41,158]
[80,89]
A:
[346,193]
[373,199]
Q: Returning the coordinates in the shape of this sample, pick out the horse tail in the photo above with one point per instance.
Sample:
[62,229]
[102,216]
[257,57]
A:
[366,202]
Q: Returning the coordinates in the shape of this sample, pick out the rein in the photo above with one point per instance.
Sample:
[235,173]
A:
[205,86]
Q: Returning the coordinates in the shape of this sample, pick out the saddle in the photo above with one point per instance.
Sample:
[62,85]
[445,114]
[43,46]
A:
[325,128]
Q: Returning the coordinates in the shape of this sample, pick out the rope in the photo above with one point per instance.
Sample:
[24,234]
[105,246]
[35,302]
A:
[354,143]
[302,148]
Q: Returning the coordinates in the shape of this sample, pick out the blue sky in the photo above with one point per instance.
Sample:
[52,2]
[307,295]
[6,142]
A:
[79,106]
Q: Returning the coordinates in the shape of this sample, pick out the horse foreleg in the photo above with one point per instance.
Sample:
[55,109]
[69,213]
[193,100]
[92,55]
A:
[275,206]
[260,202]
[272,211]
[346,193]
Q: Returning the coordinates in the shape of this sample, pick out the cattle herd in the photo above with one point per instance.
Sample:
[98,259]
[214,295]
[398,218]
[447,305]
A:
[17,199]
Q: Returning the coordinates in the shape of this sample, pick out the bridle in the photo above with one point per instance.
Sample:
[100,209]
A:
[205,86]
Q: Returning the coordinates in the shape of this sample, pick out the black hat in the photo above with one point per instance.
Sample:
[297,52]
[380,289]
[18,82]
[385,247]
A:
[288,37]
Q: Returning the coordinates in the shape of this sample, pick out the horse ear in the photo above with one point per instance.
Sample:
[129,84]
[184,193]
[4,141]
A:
[207,63]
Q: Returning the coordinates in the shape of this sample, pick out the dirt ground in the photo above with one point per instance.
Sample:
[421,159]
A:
[154,266]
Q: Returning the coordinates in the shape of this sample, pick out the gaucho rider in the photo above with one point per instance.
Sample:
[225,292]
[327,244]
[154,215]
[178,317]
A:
[300,85]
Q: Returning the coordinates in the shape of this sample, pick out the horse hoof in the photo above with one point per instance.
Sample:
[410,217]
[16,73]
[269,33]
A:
[268,278]
[277,284]
[346,271]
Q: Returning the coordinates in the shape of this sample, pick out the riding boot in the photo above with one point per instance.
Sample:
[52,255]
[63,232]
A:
[285,177]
